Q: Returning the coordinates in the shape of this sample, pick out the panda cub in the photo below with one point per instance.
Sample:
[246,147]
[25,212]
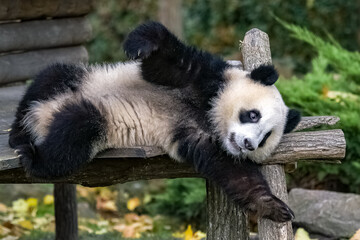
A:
[199,109]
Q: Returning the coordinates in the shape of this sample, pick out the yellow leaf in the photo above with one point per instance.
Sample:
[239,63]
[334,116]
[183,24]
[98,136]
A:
[133,203]
[26,224]
[301,234]
[356,235]
[199,235]
[178,235]
[20,206]
[48,199]
[188,233]
[32,202]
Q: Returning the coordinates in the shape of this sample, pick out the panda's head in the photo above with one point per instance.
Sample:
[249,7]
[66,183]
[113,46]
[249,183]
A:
[249,114]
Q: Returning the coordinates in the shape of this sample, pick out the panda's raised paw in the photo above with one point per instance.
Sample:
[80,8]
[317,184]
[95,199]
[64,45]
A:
[144,40]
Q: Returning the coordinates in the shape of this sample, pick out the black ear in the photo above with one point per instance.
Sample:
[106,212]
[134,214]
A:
[265,74]
[292,120]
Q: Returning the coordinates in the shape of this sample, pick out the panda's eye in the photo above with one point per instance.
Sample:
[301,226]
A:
[254,116]
[251,116]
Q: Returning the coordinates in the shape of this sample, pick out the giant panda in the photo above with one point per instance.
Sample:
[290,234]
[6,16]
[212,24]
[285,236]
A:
[194,105]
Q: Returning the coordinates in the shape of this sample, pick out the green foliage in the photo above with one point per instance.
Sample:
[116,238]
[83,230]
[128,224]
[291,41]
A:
[332,87]
[111,21]
[183,198]
[217,25]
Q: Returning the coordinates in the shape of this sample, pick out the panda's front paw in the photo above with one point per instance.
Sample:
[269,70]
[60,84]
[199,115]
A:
[273,208]
[144,40]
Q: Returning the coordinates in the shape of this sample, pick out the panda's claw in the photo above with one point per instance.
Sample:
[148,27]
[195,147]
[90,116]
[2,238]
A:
[276,210]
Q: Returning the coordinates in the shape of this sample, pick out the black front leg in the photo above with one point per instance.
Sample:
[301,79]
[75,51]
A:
[165,60]
[242,181]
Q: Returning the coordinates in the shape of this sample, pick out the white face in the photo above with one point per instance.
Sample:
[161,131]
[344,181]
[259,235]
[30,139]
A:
[250,117]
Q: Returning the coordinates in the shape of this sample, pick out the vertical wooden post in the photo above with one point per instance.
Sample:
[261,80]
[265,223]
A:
[65,211]
[225,219]
[170,14]
[256,51]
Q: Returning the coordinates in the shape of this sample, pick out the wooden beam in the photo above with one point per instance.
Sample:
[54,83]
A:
[35,9]
[43,34]
[319,146]
[23,66]
[256,51]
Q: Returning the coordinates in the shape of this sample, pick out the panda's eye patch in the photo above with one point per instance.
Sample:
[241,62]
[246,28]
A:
[252,116]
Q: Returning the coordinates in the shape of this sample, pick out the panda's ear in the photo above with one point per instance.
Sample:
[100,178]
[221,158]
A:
[265,74]
[292,120]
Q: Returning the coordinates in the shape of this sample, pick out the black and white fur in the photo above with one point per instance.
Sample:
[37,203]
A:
[194,105]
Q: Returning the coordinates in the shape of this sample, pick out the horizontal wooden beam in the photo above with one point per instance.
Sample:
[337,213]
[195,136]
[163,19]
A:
[132,163]
[35,9]
[23,66]
[32,35]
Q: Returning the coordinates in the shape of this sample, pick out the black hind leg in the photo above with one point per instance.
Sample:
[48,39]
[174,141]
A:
[54,80]
[76,133]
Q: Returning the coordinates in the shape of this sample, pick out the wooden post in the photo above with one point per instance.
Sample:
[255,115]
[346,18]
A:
[65,211]
[256,51]
[225,219]
[170,14]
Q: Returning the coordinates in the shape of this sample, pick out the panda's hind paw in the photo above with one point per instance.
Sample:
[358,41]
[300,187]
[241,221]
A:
[275,209]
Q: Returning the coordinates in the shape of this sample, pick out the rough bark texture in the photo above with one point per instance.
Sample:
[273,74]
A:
[65,212]
[256,51]
[34,9]
[23,66]
[33,35]
[170,14]
[225,220]
[134,164]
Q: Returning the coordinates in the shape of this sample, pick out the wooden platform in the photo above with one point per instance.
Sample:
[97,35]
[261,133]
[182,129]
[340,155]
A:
[148,162]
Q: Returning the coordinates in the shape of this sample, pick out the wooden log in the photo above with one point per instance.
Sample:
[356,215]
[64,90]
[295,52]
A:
[256,51]
[225,220]
[318,146]
[65,212]
[35,9]
[43,34]
[23,66]
[310,122]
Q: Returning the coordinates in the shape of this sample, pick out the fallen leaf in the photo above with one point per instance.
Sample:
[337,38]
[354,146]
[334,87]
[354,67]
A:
[356,235]
[133,203]
[199,235]
[32,202]
[48,199]
[20,206]
[3,208]
[105,205]
[301,234]
[86,229]
[188,233]
[26,224]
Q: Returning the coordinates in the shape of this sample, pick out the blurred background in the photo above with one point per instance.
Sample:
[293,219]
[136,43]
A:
[315,47]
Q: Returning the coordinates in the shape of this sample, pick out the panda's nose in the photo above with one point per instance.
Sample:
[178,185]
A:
[248,145]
